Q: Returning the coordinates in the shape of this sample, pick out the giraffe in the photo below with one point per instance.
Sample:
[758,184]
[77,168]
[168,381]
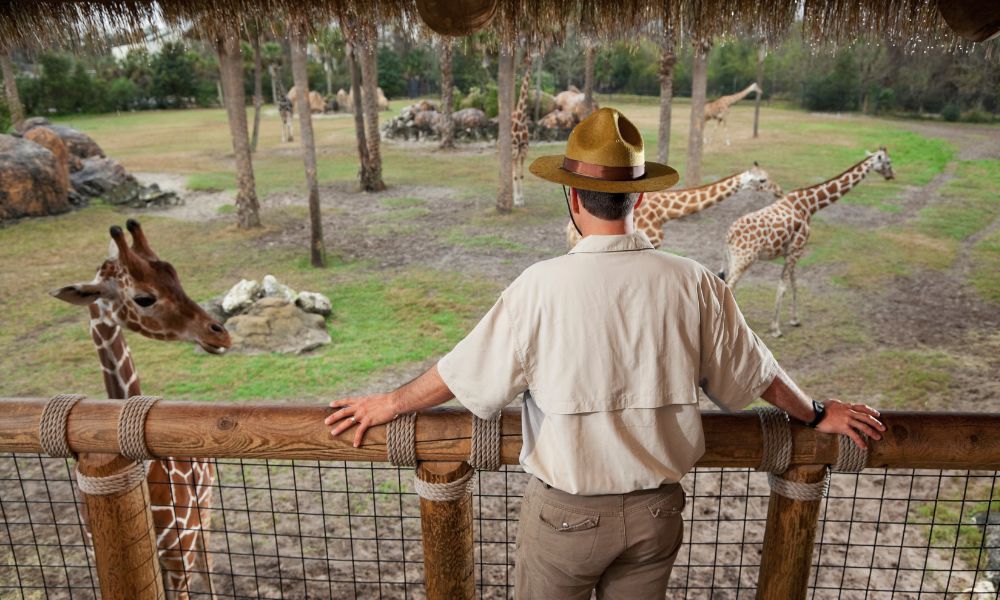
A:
[519,131]
[285,106]
[135,290]
[719,109]
[659,207]
[782,228]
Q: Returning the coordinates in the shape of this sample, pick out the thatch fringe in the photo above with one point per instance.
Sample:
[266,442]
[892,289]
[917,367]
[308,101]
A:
[915,24]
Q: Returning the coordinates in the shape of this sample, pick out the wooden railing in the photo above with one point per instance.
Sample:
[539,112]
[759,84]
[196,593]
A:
[443,438]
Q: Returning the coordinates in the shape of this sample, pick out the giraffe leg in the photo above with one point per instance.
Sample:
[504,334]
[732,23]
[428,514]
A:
[519,180]
[776,323]
[725,128]
[795,303]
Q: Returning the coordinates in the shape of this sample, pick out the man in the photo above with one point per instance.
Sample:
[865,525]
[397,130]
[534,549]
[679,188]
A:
[610,345]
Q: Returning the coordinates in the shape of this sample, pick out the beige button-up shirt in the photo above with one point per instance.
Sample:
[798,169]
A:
[610,344]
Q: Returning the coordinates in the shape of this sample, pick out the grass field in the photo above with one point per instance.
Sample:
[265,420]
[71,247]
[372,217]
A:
[412,269]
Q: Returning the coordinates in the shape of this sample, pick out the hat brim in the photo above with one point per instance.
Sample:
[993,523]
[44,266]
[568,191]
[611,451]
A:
[657,177]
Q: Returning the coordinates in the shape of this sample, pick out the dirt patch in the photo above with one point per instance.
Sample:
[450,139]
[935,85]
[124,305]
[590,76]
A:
[195,205]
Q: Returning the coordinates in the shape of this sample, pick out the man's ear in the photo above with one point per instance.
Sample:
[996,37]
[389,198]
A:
[574,200]
[78,293]
[638,201]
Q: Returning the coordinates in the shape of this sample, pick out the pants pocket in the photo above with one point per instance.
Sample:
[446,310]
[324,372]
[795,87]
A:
[671,505]
[565,533]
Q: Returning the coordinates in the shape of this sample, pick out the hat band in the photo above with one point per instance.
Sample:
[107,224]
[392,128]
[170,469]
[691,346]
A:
[601,172]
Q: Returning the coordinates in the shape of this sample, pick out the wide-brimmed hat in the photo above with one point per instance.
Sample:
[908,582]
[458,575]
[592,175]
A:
[605,153]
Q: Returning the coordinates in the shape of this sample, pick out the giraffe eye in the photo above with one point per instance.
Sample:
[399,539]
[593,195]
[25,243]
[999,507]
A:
[145,301]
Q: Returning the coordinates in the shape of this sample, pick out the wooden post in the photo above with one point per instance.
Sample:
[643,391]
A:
[124,539]
[449,564]
[788,539]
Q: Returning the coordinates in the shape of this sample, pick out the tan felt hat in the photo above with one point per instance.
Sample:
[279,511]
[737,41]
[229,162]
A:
[605,153]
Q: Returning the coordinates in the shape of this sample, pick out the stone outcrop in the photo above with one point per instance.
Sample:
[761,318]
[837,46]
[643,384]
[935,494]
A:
[43,136]
[78,143]
[314,302]
[241,296]
[276,325]
[32,181]
[107,179]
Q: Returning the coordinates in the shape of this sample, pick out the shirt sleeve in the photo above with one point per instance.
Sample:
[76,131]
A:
[736,366]
[484,370]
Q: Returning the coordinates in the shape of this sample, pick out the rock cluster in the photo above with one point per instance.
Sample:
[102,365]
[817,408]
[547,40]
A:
[269,316]
[423,121]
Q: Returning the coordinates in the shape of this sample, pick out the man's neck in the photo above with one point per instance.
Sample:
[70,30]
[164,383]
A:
[595,226]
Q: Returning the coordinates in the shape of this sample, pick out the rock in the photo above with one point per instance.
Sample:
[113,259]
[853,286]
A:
[343,101]
[273,289]
[241,296]
[31,182]
[990,522]
[214,309]
[78,143]
[275,325]
[983,590]
[540,103]
[44,136]
[314,302]
[105,178]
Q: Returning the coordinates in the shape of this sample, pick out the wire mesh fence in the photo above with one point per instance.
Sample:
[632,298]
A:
[301,529]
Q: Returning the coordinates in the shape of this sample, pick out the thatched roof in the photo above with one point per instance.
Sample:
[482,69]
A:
[913,23]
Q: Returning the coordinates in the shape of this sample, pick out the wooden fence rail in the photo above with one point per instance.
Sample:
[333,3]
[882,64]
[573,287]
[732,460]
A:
[443,439]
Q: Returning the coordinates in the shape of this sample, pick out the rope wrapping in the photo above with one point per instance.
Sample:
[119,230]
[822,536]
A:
[401,440]
[798,490]
[116,483]
[132,427]
[485,452]
[776,436]
[850,458]
[52,426]
[445,492]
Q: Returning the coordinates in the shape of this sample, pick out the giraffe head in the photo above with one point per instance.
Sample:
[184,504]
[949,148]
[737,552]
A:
[756,179]
[143,293]
[754,88]
[880,163]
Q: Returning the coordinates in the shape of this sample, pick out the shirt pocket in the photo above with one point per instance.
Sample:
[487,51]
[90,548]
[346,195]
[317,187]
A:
[581,401]
[568,534]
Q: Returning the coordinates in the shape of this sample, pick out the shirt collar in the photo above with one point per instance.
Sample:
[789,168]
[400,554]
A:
[628,242]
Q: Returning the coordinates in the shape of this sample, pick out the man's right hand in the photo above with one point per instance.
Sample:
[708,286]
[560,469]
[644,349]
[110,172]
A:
[851,420]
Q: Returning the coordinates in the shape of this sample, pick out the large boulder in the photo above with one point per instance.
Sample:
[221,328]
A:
[275,289]
[242,295]
[31,180]
[276,325]
[78,143]
[44,136]
[316,102]
[314,302]
[542,102]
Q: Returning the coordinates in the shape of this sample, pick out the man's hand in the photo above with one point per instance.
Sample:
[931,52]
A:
[851,420]
[363,411]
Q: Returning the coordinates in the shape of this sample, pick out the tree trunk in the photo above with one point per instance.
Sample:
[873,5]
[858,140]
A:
[369,79]
[699,81]
[10,88]
[231,75]
[317,252]
[359,119]
[447,127]
[258,91]
[273,69]
[588,79]
[761,55]
[538,86]
[668,59]
[505,98]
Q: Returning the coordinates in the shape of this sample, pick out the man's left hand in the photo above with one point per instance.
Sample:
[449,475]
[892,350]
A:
[363,411]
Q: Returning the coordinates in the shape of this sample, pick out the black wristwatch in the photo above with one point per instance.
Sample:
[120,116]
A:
[820,411]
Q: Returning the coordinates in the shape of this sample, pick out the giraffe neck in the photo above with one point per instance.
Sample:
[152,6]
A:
[522,99]
[120,377]
[674,205]
[811,199]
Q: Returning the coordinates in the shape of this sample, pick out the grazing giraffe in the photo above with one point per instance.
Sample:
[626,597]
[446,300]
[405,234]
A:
[718,110]
[519,131]
[782,228]
[134,289]
[659,207]
[285,106]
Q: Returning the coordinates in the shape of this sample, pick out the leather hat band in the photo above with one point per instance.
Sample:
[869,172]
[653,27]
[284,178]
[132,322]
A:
[601,172]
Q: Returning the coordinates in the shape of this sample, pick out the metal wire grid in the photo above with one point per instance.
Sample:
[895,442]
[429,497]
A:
[283,529]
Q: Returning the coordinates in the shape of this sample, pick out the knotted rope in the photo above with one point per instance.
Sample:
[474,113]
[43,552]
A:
[485,452]
[777,455]
[132,427]
[850,458]
[444,492]
[116,483]
[52,426]
[401,440]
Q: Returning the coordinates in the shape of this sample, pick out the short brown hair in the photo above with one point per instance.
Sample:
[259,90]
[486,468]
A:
[610,206]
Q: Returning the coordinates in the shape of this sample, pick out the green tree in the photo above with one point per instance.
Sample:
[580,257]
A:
[173,76]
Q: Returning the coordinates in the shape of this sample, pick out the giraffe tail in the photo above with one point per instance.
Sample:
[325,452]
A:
[725,265]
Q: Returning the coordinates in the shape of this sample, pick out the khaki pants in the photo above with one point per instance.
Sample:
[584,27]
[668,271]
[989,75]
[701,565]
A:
[624,545]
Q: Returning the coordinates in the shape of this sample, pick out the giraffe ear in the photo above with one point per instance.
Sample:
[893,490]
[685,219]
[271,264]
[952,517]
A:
[78,293]
[867,153]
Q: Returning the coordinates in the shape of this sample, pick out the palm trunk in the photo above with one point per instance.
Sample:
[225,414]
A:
[588,79]
[668,59]
[538,87]
[10,88]
[359,119]
[505,97]
[369,79]
[231,75]
[761,55]
[699,81]
[317,252]
[447,127]
[258,91]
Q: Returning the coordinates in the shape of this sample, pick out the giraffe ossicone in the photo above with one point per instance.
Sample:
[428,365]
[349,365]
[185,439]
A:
[781,229]
[134,289]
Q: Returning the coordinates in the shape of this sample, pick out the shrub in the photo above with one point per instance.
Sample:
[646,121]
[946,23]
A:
[4,117]
[976,116]
[122,94]
[951,112]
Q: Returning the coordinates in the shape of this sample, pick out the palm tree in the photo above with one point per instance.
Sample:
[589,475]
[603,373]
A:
[258,92]
[699,81]
[369,79]
[227,47]
[588,77]
[317,252]
[10,87]
[364,172]
[668,59]
[447,127]
[505,97]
